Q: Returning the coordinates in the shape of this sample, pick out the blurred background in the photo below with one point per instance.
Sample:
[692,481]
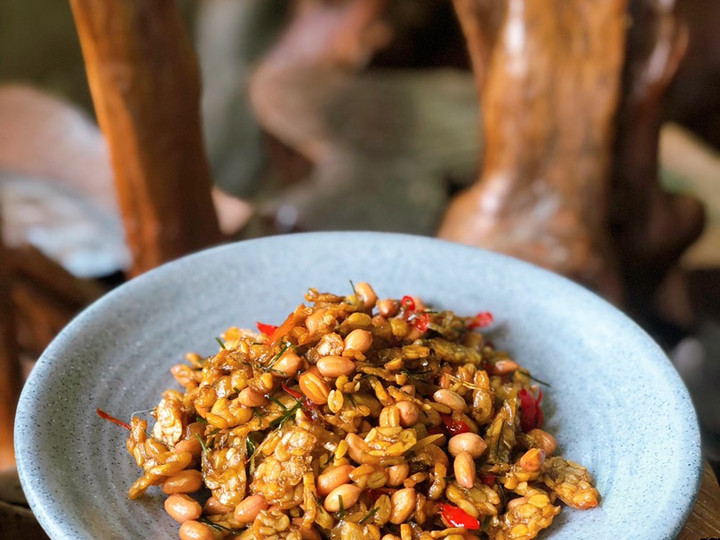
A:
[583,136]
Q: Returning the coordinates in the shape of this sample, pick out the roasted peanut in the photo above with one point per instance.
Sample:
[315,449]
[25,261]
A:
[409,413]
[251,397]
[249,508]
[182,508]
[191,445]
[358,340]
[543,440]
[450,399]
[366,295]
[503,367]
[333,478]
[335,366]
[187,481]
[397,474]
[288,364]
[349,494]
[471,443]
[464,468]
[214,506]
[194,530]
[388,307]
[403,505]
[314,387]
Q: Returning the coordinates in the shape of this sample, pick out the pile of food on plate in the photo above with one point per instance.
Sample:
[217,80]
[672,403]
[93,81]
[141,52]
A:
[357,418]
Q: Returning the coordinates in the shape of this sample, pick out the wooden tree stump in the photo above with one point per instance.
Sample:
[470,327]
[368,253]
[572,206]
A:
[549,95]
[651,228]
[145,85]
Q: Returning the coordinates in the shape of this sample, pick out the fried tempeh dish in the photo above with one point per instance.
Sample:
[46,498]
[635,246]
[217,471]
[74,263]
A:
[355,419]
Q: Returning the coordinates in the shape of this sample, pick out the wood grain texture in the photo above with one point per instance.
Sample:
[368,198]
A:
[704,522]
[10,382]
[549,96]
[144,81]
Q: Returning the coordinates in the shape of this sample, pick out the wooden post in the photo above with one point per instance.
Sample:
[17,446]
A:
[144,81]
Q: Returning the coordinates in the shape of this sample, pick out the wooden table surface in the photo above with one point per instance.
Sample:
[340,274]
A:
[704,522]
[16,521]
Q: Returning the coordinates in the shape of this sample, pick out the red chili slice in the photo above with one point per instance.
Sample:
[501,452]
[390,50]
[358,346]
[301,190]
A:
[306,403]
[487,479]
[267,329]
[454,426]
[283,329]
[481,320]
[456,517]
[105,416]
[293,393]
[421,321]
[532,415]
[408,305]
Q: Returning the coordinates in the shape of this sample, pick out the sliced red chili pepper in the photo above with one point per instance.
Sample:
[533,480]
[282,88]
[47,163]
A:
[481,320]
[407,303]
[421,321]
[454,426]
[306,403]
[293,393]
[283,329]
[267,329]
[102,414]
[487,479]
[527,416]
[457,517]
[436,430]
[539,416]
[532,415]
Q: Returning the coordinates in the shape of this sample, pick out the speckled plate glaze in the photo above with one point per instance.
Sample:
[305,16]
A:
[616,404]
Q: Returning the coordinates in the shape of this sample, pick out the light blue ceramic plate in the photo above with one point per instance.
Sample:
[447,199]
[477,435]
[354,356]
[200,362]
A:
[616,403]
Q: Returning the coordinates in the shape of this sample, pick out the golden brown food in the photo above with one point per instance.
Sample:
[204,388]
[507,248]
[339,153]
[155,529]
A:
[355,419]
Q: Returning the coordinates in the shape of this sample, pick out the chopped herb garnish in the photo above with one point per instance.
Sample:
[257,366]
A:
[278,403]
[202,443]
[420,375]
[250,446]
[276,358]
[526,372]
[200,419]
[341,513]
[289,413]
[353,288]
[369,516]
[219,527]
[220,342]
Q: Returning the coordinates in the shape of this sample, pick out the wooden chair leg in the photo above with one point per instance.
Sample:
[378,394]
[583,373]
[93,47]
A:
[144,81]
